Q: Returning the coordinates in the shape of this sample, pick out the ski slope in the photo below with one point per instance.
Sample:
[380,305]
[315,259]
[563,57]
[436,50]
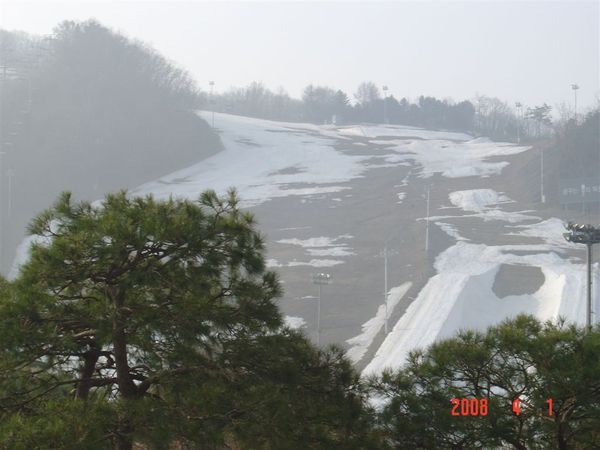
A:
[321,165]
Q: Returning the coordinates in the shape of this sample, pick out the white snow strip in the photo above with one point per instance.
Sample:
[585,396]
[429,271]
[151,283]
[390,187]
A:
[361,343]
[451,231]
[272,263]
[400,131]
[332,251]
[454,159]
[317,263]
[321,241]
[550,230]
[460,296]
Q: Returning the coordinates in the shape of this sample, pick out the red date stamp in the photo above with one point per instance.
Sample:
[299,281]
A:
[469,406]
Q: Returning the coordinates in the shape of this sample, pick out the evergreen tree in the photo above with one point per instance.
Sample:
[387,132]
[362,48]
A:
[520,359]
[154,323]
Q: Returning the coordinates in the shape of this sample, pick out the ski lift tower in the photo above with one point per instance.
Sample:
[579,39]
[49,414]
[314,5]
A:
[588,235]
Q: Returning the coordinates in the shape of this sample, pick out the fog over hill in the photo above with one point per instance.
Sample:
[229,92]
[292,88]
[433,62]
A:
[89,111]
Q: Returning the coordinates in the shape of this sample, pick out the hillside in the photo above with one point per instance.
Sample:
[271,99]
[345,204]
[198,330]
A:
[88,111]
[329,199]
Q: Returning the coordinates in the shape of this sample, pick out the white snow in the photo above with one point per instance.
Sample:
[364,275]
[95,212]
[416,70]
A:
[333,251]
[321,246]
[317,263]
[375,131]
[477,200]
[454,159]
[461,296]
[256,155]
[361,343]
[450,230]
[551,231]
[321,241]
[295,323]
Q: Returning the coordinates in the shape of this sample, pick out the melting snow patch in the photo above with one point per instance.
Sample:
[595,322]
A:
[295,323]
[450,230]
[550,230]
[317,263]
[477,200]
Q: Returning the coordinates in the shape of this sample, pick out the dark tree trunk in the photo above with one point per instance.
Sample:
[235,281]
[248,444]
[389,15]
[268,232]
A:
[90,359]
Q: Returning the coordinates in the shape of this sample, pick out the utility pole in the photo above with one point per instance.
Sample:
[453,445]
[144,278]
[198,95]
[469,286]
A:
[2,233]
[427,223]
[542,174]
[212,102]
[588,235]
[575,87]
[320,279]
[385,288]
[9,173]
[385,115]
[518,105]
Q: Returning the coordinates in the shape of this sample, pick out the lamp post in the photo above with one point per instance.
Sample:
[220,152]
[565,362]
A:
[212,102]
[427,222]
[385,116]
[385,255]
[10,173]
[518,105]
[320,279]
[588,235]
[575,86]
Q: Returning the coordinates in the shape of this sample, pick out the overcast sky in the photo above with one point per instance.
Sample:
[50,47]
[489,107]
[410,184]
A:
[518,51]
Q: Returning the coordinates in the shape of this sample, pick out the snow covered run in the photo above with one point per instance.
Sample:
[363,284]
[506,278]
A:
[460,296]
[264,160]
[361,343]
[375,131]
[453,159]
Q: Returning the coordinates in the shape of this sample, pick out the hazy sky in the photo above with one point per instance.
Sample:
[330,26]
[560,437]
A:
[527,51]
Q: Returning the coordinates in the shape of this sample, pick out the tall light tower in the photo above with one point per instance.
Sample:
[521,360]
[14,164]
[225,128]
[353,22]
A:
[519,107]
[10,173]
[320,279]
[427,222]
[385,115]
[588,235]
[575,87]
[212,101]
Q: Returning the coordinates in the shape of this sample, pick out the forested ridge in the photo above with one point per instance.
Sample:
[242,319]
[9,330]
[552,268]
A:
[92,111]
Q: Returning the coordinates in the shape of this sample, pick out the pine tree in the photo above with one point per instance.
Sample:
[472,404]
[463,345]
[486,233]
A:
[154,322]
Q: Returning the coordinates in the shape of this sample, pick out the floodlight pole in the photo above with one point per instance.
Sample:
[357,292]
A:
[212,102]
[518,105]
[542,175]
[588,235]
[589,286]
[319,317]
[427,223]
[9,173]
[575,87]
[320,279]
[385,118]
[385,288]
